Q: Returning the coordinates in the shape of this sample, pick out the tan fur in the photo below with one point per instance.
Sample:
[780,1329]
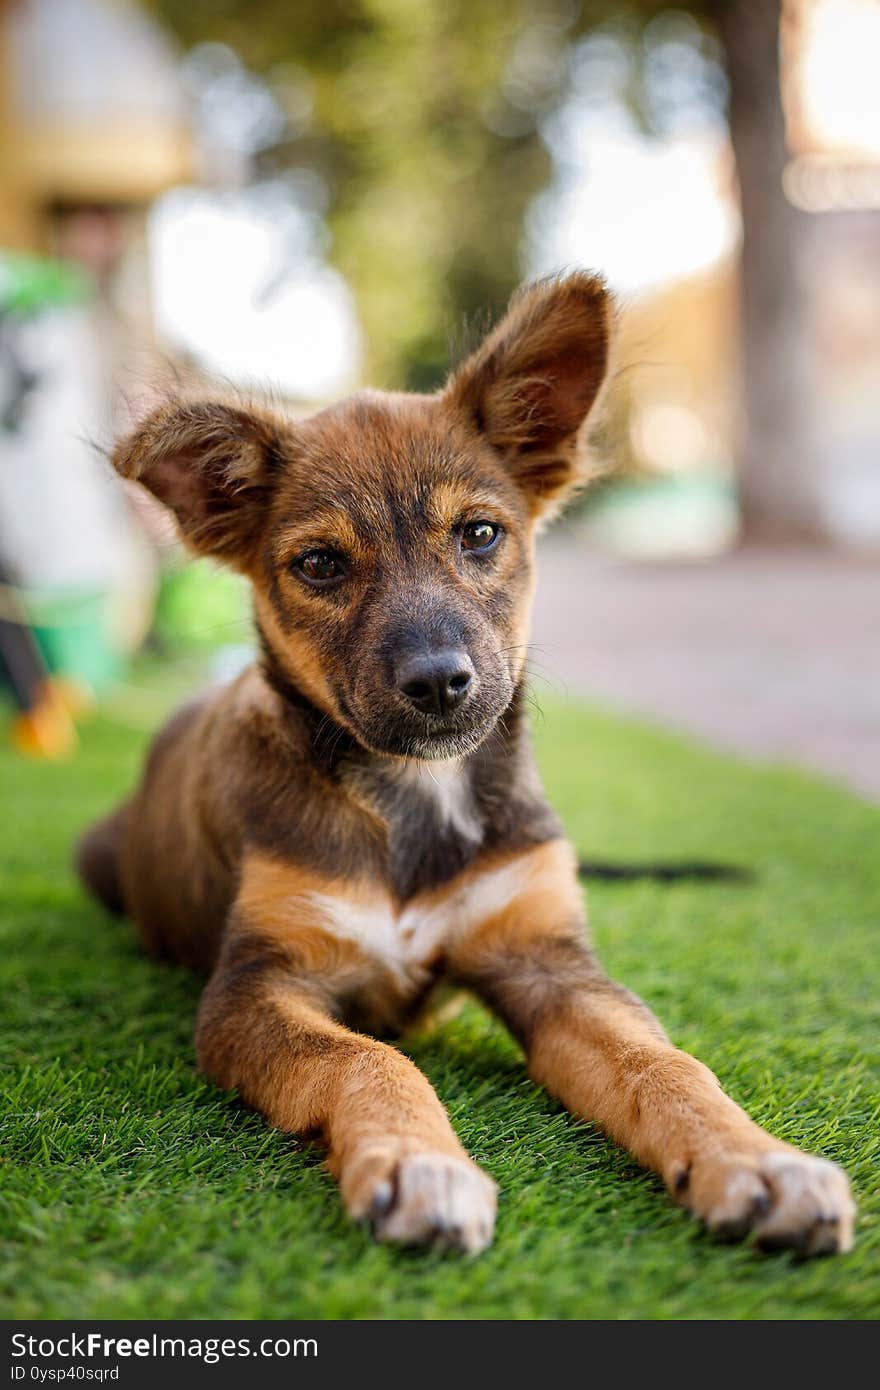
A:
[604,1061]
[298,654]
[281,905]
[265,1029]
[276,905]
[551,893]
[449,500]
[330,525]
[599,1050]
[273,901]
[309,1075]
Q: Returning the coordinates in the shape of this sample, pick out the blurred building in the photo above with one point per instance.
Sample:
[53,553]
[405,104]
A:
[91,118]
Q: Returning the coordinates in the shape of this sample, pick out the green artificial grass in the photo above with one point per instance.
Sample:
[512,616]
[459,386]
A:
[131,1188]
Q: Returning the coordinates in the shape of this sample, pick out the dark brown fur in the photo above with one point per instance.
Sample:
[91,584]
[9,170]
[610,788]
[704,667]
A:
[325,846]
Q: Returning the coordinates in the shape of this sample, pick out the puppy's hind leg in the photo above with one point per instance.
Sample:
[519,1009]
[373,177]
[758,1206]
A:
[97,859]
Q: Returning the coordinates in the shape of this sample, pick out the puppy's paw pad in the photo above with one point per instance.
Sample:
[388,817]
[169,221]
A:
[431,1199]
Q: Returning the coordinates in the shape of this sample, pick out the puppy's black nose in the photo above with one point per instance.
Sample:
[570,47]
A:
[435,682]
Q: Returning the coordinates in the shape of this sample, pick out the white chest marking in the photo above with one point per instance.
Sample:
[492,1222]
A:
[443,785]
[404,942]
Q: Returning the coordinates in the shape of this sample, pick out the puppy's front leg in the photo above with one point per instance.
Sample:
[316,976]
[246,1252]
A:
[597,1048]
[265,1029]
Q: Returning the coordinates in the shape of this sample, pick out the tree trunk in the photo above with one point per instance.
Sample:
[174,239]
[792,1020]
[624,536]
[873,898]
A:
[778,455]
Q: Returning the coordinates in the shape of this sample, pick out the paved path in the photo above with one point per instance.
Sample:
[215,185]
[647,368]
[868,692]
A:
[775,654]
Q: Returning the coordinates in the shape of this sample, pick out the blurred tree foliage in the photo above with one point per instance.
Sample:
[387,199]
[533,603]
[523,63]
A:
[422,119]
[423,125]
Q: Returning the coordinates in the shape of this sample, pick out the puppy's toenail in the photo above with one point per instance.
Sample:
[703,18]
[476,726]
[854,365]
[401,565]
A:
[382,1199]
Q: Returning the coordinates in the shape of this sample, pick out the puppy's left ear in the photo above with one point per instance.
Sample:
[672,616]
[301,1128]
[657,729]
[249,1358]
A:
[214,464]
[531,385]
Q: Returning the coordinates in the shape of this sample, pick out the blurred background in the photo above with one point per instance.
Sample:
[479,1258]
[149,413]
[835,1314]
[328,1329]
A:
[306,196]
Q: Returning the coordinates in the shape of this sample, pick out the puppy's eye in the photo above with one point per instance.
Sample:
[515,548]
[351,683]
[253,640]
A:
[320,567]
[479,537]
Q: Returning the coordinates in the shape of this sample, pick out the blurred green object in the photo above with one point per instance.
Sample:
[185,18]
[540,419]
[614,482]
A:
[31,283]
[73,634]
[687,515]
[201,606]
[70,627]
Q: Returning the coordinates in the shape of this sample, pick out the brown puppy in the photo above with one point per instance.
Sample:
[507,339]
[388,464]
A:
[360,813]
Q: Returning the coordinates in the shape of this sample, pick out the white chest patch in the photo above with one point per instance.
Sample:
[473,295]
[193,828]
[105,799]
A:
[444,786]
[404,942]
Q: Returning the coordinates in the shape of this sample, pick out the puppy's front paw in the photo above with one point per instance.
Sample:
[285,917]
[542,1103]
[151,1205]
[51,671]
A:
[783,1198]
[418,1198]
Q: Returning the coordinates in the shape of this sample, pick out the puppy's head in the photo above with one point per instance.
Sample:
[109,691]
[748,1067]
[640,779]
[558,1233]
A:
[389,539]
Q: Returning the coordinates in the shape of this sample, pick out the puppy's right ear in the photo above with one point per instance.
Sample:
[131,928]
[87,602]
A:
[530,388]
[214,465]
